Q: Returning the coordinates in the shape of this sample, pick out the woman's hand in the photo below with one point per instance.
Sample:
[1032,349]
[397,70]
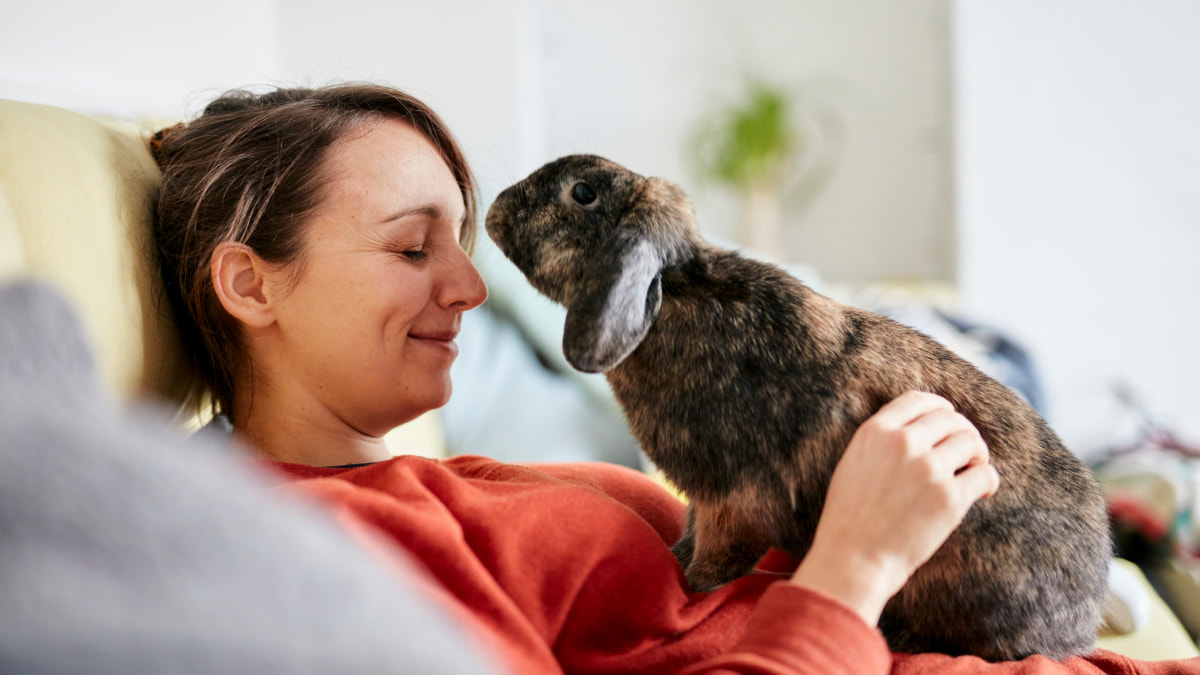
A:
[906,481]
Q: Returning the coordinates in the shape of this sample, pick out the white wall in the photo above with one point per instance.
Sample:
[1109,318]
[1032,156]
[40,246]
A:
[1079,212]
[467,59]
[135,58]
[524,80]
[631,81]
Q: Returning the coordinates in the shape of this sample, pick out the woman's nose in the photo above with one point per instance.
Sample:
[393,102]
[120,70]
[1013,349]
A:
[464,288]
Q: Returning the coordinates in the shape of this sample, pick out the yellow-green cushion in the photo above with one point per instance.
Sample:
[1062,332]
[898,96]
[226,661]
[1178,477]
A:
[1162,638]
[77,198]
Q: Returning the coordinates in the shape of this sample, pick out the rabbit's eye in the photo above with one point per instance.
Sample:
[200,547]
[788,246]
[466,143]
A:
[583,194]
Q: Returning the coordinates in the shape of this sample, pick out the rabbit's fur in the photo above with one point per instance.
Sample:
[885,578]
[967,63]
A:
[744,387]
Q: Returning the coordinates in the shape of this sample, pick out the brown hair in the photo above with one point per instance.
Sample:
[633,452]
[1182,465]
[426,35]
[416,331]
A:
[250,170]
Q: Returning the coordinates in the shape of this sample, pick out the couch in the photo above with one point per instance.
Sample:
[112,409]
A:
[75,201]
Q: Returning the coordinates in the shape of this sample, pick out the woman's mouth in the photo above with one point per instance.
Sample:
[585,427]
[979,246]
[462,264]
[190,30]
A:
[440,340]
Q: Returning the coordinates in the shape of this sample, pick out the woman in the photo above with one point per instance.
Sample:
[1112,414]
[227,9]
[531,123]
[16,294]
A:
[315,244]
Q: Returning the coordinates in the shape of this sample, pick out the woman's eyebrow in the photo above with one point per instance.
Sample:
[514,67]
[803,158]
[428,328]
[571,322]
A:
[428,210]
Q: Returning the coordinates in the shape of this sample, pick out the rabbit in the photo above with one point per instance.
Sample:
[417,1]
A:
[744,386]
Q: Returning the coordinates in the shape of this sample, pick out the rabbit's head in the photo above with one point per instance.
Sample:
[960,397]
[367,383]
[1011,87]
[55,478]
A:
[595,237]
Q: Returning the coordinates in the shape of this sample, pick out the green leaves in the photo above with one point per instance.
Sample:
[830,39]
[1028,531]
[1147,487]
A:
[749,143]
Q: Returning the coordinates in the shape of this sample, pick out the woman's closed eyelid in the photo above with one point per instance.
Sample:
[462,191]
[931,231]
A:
[421,248]
[412,251]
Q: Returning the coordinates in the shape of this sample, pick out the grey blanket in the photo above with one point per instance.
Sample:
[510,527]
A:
[125,548]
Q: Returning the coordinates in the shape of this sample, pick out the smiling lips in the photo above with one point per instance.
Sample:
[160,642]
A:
[443,340]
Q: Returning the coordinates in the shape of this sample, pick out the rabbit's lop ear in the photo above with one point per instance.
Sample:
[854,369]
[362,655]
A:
[619,297]
[613,310]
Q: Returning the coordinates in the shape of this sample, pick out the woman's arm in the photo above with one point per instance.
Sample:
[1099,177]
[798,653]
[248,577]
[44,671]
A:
[797,631]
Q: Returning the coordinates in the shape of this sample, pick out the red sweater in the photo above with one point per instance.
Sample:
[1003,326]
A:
[568,568]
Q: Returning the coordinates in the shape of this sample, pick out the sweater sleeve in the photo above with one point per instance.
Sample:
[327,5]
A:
[795,630]
[1099,662]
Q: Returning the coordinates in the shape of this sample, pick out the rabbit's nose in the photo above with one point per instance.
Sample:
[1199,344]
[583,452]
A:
[494,220]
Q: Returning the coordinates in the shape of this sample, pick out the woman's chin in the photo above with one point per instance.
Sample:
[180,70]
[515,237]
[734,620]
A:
[414,408]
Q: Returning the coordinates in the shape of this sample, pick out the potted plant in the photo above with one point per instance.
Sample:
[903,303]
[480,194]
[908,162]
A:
[764,146]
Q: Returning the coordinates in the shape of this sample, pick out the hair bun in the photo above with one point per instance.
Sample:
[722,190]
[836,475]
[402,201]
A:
[160,137]
[238,100]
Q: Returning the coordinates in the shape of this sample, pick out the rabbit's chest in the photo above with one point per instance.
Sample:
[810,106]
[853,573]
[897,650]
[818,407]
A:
[712,422]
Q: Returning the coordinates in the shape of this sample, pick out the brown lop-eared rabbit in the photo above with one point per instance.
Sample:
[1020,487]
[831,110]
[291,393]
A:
[744,387]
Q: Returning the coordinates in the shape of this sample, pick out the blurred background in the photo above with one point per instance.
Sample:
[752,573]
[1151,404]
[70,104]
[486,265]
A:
[1027,165]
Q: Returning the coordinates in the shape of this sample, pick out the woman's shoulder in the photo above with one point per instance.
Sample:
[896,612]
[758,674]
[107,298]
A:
[632,490]
[609,478]
[629,487]
[618,482]
[598,489]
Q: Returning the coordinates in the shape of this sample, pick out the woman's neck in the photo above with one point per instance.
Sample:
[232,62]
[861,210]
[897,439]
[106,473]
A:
[298,434]
[307,450]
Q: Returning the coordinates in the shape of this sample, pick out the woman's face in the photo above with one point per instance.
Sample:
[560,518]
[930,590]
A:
[367,325]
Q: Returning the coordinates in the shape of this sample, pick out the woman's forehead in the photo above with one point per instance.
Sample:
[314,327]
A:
[390,165]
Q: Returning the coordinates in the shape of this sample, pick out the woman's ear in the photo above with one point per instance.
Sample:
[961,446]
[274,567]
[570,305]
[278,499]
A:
[240,277]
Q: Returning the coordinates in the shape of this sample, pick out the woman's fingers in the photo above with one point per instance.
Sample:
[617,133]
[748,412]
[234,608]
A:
[960,449]
[956,452]
[907,407]
[932,429]
[977,481]
[919,422]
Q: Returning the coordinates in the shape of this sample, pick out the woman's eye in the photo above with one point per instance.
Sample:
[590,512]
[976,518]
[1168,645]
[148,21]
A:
[414,255]
[583,194]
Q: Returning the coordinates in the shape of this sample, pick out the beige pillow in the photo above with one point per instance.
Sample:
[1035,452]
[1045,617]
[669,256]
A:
[78,195]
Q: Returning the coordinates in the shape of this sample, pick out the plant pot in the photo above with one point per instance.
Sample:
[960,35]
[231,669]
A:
[762,206]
